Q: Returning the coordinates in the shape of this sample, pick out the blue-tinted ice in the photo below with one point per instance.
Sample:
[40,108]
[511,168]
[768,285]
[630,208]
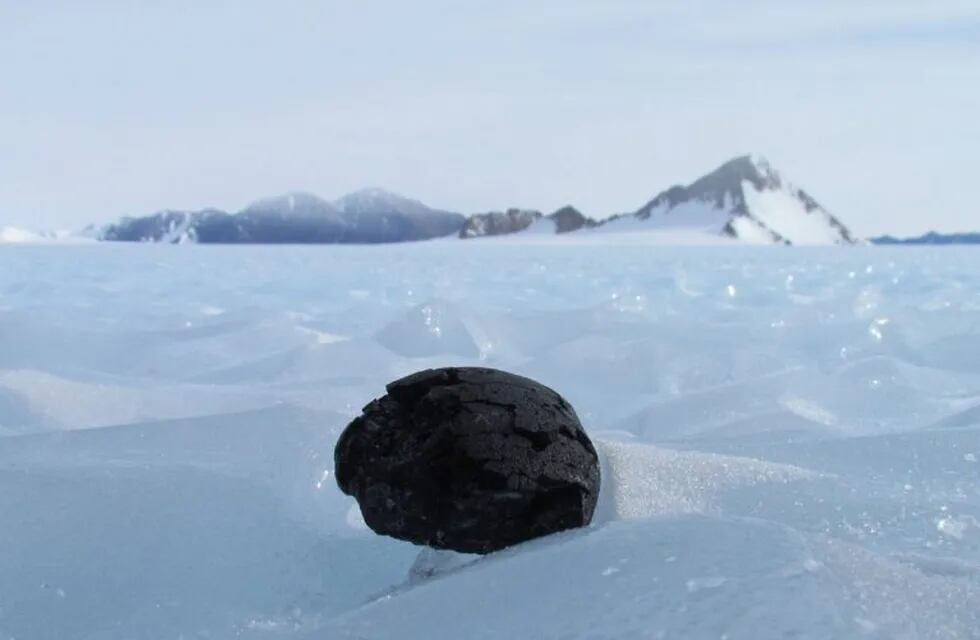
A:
[790,439]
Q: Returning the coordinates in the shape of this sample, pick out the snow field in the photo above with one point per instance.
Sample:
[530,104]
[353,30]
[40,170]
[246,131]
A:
[789,439]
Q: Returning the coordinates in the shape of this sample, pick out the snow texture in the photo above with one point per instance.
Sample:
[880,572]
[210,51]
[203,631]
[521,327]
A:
[789,439]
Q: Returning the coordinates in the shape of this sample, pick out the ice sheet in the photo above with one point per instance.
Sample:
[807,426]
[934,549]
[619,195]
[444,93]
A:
[790,439]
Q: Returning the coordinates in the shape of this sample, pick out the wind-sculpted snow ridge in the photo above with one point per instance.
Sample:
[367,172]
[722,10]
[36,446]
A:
[789,441]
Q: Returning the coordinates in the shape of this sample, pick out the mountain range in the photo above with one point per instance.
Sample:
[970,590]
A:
[744,199]
[932,237]
[366,216]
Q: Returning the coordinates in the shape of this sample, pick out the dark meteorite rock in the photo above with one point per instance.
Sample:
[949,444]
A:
[469,459]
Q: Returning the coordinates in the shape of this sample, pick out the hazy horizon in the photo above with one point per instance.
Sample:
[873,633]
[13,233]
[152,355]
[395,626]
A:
[126,109]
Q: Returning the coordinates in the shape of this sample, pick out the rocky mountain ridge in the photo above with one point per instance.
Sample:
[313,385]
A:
[745,199]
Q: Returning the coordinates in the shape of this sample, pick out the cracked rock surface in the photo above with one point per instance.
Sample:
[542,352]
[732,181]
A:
[469,459]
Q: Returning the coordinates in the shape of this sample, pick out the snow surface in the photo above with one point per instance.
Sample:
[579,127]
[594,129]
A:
[789,439]
[694,214]
[750,231]
[17,235]
[541,226]
[784,212]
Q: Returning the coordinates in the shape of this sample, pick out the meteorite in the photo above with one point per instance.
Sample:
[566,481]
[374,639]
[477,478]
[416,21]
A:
[469,459]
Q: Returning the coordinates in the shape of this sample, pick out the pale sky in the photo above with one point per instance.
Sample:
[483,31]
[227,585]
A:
[128,107]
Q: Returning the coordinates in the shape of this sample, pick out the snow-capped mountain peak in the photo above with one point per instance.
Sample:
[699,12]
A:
[748,199]
[764,171]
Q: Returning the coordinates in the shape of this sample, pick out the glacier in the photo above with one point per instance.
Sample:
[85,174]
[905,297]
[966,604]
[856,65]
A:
[790,438]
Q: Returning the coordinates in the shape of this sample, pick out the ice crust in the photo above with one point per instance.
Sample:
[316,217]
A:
[789,439]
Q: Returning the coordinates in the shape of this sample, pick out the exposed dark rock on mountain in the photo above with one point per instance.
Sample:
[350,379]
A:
[568,219]
[469,459]
[497,223]
[172,227]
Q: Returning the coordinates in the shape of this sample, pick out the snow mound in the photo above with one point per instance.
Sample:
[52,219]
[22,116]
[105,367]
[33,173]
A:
[704,577]
[643,480]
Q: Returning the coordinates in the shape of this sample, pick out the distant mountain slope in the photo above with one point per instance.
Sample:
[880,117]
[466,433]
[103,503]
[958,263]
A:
[495,223]
[568,219]
[379,213]
[170,226]
[932,237]
[746,199]
[367,216]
